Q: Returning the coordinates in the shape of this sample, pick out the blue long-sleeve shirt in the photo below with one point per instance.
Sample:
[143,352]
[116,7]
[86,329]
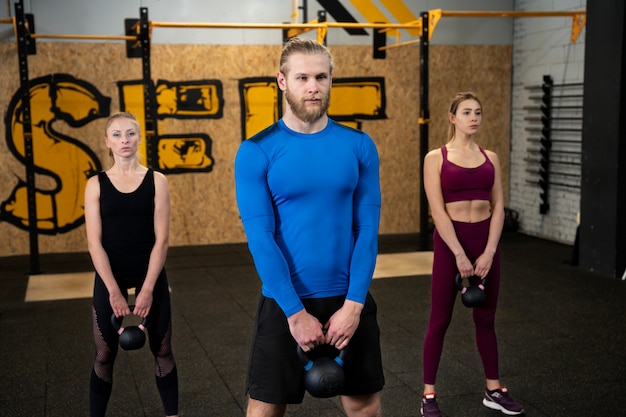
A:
[310,207]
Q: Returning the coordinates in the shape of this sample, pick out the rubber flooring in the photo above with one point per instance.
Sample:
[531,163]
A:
[561,332]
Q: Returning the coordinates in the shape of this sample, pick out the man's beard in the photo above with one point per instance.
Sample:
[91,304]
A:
[301,110]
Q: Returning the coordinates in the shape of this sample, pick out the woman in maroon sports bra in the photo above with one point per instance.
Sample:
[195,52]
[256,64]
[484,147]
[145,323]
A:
[464,190]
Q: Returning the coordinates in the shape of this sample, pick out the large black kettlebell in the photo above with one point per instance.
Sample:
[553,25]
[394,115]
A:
[324,376]
[131,337]
[474,294]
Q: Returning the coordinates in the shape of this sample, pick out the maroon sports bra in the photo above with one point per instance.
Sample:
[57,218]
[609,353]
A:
[463,184]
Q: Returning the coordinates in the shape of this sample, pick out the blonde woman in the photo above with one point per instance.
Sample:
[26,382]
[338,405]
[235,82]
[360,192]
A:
[127,216]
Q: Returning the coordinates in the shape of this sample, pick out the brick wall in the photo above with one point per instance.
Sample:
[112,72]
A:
[542,46]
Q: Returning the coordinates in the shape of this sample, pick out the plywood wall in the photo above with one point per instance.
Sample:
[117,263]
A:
[204,207]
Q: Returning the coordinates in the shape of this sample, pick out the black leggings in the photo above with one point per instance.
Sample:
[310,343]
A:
[159,326]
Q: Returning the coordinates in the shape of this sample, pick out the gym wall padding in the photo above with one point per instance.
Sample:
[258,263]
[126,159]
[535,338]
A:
[204,210]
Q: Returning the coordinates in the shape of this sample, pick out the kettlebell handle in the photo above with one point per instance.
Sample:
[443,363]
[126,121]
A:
[117,322]
[308,362]
[459,283]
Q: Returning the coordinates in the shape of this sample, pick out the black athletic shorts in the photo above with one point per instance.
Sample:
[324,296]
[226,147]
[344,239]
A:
[276,373]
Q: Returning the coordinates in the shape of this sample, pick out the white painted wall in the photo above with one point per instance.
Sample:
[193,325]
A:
[541,46]
[106,17]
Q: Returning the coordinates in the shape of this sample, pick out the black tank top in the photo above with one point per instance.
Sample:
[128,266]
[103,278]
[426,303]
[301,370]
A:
[128,228]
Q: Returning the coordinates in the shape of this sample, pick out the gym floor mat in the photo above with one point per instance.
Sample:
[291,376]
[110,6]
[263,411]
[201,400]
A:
[403,264]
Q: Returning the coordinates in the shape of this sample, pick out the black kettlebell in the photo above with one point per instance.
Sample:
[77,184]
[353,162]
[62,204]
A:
[131,337]
[324,376]
[474,294]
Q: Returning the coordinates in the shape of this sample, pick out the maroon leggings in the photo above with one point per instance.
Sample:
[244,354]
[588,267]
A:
[473,238]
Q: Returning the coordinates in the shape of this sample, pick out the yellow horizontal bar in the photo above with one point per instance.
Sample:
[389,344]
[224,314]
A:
[472,13]
[303,26]
[579,17]
[100,37]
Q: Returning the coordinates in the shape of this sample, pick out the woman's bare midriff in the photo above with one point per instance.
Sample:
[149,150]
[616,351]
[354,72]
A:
[469,211]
